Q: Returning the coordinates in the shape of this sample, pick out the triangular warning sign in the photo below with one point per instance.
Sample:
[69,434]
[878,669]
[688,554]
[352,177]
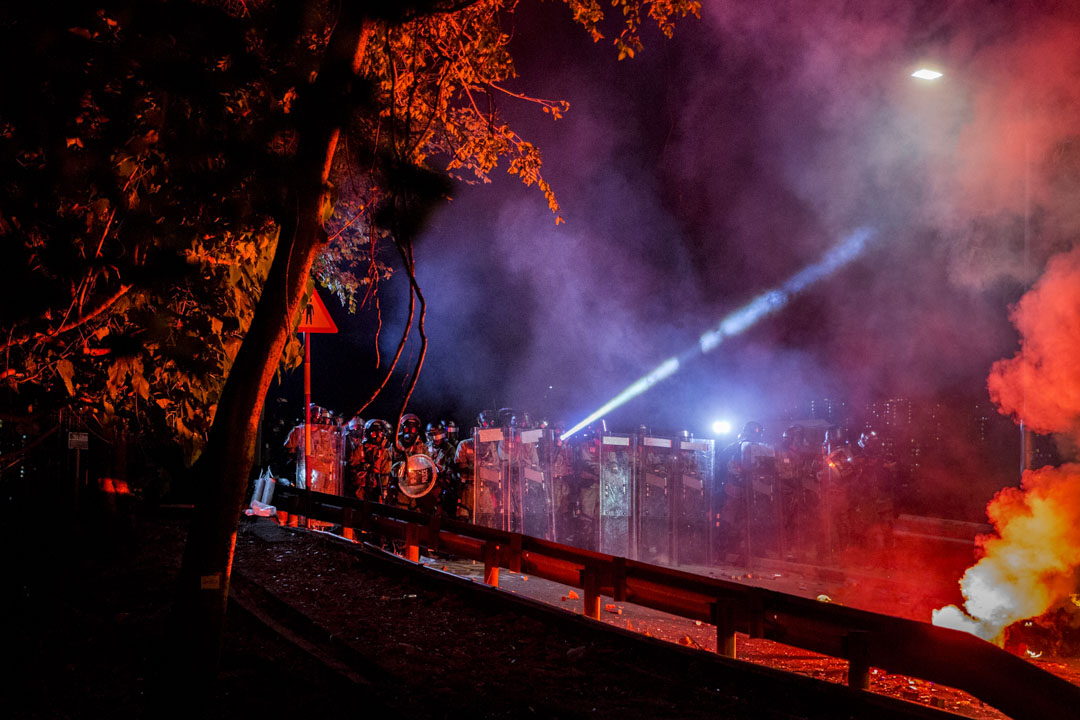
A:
[314,318]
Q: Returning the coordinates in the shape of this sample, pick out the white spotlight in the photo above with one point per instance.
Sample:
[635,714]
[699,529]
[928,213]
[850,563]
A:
[721,427]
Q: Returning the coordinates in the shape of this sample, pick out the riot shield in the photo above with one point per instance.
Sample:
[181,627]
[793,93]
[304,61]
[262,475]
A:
[692,512]
[616,478]
[653,528]
[801,506]
[764,519]
[536,489]
[489,486]
[563,482]
[326,460]
[512,454]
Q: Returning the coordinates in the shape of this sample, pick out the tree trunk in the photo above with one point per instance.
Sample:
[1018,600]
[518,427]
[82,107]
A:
[223,470]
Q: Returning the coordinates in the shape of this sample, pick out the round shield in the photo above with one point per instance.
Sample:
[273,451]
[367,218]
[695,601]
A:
[417,476]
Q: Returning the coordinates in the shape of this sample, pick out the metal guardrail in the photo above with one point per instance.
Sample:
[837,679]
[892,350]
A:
[864,639]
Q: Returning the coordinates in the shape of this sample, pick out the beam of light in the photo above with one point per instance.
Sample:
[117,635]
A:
[666,369]
[740,320]
[926,74]
[772,300]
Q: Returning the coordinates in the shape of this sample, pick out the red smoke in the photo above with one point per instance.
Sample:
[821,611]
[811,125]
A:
[1041,383]
[1031,564]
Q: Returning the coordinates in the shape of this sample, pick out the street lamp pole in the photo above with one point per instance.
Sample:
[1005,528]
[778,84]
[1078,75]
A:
[1027,437]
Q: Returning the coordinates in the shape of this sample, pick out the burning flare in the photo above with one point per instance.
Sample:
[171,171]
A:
[1030,564]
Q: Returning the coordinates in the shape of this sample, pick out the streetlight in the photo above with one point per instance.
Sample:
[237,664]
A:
[1027,437]
[926,74]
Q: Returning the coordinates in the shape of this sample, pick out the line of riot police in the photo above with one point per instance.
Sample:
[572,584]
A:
[662,499]
[369,460]
[830,503]
[509,473]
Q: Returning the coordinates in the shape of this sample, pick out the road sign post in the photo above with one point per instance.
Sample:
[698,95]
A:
[314,319]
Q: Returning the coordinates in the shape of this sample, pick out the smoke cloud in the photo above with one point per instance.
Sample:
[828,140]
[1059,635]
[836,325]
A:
[1041,383]
[1030,564]
[713,166]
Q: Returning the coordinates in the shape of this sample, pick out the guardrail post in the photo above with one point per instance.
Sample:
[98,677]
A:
[618,583]
[412,542]
[434,528]
[723,617]
[365,517]
[491,563]
[514,561]
[348,522]
[858,674]
[305,501]
[755,608]
[590,585]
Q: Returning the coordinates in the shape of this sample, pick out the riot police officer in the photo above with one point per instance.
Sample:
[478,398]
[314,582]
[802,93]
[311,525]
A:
[441,451]
[352,440]
[408,441]
[799,493]
[874,478]
[464,465]
[584,498]
[837,471]
[489,503]
[369,462]
[744,488]
[451,429]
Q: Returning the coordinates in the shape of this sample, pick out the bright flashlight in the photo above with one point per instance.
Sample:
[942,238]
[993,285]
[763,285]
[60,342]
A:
[721,427]
[745,317]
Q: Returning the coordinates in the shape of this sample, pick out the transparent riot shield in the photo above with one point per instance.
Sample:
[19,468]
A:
[513,457]
[489,486]
[326,459]
[764,516]
[537,492]
[730,501]
[563,488]
[616,481]
[653,528]
[692,514]
[583,493]
[801,507]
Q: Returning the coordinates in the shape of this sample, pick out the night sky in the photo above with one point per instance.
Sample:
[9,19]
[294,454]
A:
[714,166]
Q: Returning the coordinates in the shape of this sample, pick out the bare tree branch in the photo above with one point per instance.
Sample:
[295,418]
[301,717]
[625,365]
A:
[68,326]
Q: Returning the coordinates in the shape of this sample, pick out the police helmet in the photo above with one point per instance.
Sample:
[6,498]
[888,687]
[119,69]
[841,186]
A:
[506,417]
[408,430]
[752,432]
[795,436]
[870,441]
[451,429]
[377,432]
[435,433]
[836,437]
